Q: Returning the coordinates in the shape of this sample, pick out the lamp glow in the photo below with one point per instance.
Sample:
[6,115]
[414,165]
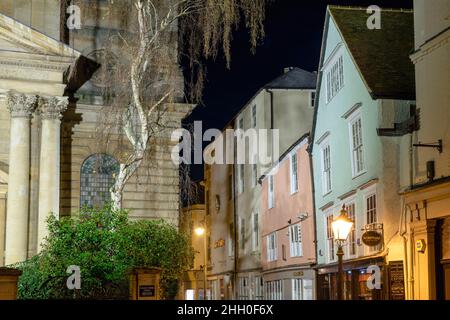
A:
[200,231]
[342,226]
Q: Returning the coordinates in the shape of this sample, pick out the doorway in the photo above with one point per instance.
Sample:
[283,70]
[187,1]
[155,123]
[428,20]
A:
[442,262]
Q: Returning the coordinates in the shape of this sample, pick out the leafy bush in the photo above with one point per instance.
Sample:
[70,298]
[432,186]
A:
[106,246]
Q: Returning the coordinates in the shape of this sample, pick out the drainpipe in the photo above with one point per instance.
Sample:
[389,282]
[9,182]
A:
[409,272]
[311,170]
[235,220]
[411,161]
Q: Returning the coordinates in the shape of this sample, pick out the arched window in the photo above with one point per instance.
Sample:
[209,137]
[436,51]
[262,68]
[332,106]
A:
[98,172]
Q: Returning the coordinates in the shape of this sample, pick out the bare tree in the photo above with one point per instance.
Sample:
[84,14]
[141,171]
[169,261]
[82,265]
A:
[142,65]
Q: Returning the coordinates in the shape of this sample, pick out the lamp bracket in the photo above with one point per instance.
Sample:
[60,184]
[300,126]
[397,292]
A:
[437,145]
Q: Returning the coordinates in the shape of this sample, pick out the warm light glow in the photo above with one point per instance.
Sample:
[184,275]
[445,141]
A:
[342,226]
[199,231]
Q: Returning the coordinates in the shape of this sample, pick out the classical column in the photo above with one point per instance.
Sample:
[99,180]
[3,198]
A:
[50,109]
[21,107]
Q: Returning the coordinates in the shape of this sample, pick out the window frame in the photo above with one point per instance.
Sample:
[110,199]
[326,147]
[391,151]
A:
[329,241]
[254,116]
[254,175]
[242,234]
[272,252]
[334,73]
[255,232]
[353,232]
[293,172]
[356,117]
[296,240]
[312,98]
[326,174]
[271,191]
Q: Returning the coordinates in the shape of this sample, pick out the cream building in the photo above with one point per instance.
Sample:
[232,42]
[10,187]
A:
[233,192]
[51,157]
[426,158]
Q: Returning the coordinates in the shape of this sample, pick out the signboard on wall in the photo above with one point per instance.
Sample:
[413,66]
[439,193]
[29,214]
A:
[146,291]
[396,280]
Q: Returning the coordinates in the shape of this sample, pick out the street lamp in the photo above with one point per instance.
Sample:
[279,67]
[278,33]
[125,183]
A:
[201,231]
[341,226]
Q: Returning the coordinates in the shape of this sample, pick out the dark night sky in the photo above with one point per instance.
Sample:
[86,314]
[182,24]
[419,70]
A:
[293,38]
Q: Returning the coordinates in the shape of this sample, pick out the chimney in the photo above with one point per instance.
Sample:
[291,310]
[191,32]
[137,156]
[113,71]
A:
[287,69]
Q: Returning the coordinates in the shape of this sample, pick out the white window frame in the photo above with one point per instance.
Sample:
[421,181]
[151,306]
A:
[366,208]
[295,240]
[274,290]
[271,191]
[293,172]
[259,288]
[356,150]
[312,98]
[272,252]
[327,180]
[255,232]
[354,231]
[243,288]
[241,177]
[330,246]
[254,116]
[368,193]
[300,287]
[334,77]
[231,239]
[242,232]
[254,175]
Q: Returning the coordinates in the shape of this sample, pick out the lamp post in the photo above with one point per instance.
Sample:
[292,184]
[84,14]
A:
[201,231]
[341,226]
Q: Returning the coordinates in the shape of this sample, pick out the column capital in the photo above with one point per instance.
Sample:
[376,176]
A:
[52,107]
[20,105]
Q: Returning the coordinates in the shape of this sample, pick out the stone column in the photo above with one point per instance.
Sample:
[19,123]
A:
[21,107]
[50,109]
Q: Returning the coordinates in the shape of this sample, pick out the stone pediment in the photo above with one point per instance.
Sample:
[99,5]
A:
[19,38]
[32,62]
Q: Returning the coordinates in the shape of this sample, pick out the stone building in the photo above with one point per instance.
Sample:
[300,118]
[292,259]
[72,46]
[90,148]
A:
[425,154]
[51,109]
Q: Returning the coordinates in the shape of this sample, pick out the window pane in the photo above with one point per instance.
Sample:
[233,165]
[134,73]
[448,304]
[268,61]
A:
[98,174]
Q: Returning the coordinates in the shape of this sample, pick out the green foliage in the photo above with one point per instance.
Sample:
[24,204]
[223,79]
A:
[106,246]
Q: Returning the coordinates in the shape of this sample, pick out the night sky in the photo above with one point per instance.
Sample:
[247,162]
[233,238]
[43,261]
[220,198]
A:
[293,38]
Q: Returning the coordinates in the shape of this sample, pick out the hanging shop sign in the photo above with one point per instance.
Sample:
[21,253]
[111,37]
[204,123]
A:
[371,238]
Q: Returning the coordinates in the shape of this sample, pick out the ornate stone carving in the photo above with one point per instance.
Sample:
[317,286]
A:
[20,105]
[52,107]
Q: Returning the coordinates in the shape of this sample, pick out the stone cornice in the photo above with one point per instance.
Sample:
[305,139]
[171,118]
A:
[40,62]
[21,105]
[52,107]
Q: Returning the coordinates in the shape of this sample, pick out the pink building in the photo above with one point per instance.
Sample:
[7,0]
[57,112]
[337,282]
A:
[288,247]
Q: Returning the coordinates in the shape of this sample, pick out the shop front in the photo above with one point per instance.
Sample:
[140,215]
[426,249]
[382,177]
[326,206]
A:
[367,279]
[290,284]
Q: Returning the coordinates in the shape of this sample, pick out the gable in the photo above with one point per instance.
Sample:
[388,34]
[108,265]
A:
[381,55]
[6,45]
[17,37]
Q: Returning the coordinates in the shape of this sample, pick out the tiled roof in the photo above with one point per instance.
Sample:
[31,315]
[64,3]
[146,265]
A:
[382,55]
[295,78]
